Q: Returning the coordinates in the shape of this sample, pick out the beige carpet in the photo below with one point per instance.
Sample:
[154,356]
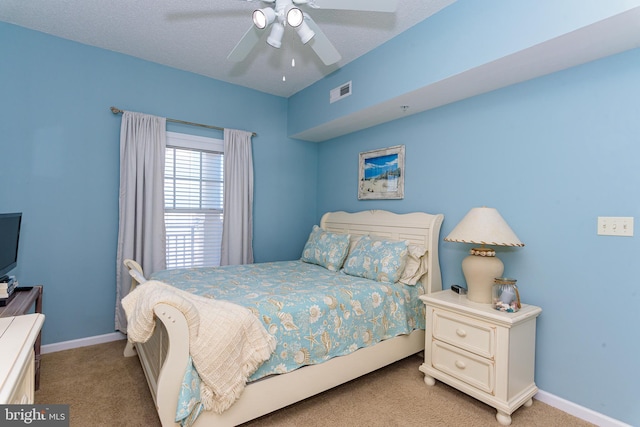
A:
[103,388]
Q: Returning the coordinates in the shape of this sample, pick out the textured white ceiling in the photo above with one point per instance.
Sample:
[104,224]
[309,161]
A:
[197,35]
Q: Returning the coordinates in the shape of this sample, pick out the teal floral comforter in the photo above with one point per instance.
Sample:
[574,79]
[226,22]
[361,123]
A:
[314,313]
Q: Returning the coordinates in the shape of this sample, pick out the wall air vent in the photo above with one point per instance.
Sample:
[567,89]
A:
[340,92]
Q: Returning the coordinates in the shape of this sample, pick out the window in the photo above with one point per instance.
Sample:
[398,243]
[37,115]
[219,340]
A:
[193,192]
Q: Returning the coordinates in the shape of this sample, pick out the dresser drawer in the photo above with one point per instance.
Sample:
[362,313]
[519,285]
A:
[23,392]
[473,335]
[463,365]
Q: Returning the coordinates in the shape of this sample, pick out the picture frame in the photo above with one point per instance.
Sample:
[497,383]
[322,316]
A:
[381,174]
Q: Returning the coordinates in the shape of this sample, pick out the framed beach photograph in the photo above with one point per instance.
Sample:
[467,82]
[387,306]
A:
[381,174]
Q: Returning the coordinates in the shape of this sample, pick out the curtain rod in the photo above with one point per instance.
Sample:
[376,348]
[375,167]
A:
[115,110]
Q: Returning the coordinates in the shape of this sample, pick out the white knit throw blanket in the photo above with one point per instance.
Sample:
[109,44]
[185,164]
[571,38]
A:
[226,341]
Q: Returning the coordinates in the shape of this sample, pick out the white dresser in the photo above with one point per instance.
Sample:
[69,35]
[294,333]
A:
[485,353]
[18,335]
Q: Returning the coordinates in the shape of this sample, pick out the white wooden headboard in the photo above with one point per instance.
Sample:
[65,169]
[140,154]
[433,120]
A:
[417,227]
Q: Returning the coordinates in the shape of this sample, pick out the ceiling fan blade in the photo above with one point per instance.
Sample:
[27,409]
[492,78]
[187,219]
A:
[363,5]
[246,44]
[321,44]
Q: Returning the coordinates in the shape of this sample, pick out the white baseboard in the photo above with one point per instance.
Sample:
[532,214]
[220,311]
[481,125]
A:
[82,342]
[576,410]
[564,405]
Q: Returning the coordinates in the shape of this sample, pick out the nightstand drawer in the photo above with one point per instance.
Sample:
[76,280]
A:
[468,367]
[469,334]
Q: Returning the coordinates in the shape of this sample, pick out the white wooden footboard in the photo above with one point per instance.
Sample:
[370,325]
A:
[275,392]
[164,358]
[165,372]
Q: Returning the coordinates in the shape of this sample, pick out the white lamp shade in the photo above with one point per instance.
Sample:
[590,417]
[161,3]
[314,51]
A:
[305,33]
[275,37]
[484,226]
[294,16]
[263,17]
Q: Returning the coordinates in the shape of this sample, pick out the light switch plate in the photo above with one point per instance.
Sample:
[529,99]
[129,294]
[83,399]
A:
[615,226]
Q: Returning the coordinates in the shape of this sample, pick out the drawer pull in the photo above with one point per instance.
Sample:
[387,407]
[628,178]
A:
[461,332]
[460,364]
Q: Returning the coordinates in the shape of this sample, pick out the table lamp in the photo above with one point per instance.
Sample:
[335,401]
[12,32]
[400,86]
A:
[482,226]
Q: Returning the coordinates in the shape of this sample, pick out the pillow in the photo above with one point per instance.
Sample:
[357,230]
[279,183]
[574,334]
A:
[380,260]
[326,249]
[353,241]
[415,267]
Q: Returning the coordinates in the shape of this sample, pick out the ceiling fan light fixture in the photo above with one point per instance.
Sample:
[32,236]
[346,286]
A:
[305,33]
[275,37]
[263,17]
[294,15]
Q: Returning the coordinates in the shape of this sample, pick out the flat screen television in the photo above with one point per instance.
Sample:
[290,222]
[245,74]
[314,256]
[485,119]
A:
[9,239]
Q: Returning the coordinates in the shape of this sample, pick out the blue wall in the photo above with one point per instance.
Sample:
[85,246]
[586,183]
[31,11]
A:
[461,37]
[551,155]
[59,143]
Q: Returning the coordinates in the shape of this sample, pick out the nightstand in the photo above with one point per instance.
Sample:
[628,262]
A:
[485,353]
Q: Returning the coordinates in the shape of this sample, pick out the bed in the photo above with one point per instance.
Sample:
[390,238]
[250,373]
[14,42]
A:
[165,357]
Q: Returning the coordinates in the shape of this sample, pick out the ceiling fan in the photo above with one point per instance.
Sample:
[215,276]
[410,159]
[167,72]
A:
[286,13]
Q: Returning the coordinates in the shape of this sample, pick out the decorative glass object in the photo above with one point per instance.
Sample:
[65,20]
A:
[505,295]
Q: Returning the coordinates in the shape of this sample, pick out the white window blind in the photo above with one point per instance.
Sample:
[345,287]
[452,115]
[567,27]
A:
[193,192]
